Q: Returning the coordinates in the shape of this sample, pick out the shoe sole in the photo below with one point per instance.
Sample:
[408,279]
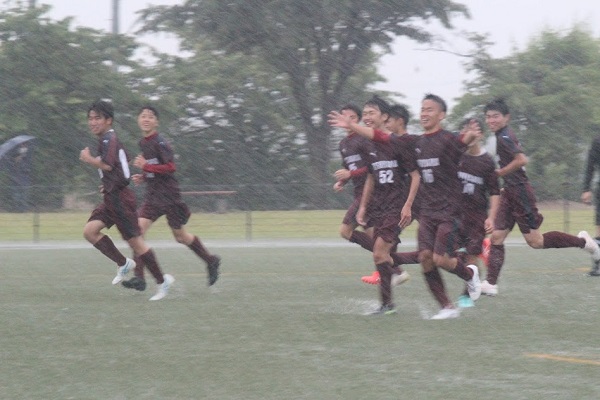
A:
[213,271]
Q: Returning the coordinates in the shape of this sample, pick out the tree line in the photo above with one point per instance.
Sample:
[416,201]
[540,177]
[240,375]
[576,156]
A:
[245,108]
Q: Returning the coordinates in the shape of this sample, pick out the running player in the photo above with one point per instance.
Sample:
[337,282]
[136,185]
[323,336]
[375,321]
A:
[163,196]
[518,202]
[384,192]
[118,207]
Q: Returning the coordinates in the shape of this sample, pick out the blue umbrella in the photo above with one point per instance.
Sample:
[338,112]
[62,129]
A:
[7,146]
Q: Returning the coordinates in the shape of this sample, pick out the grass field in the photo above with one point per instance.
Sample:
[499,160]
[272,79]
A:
[250,225]
[289,323]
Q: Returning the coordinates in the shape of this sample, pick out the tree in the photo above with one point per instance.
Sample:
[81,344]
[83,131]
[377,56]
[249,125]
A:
[50,74]
[318,46]
[552,88]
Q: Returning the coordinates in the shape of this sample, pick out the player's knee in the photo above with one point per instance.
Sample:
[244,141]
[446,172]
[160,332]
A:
[345,232]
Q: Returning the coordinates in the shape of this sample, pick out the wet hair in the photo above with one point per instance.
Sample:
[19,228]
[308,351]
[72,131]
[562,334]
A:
[467,121]
[498,104]
[102,107]
[437,99]
[354,108]
[398,111]
[149,108]
[379,103]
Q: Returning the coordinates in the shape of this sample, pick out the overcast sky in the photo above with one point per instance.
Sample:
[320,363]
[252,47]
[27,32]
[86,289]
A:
[411,70]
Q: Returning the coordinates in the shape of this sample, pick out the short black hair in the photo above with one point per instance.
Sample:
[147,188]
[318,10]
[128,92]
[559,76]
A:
[150,108]
[102,107]
[353,107]
[380,103]
[467,121]
[399,111]
[498,104]
[437,99]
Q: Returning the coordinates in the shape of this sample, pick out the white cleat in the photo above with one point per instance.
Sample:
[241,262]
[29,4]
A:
[474,284]
[123,270]
[591,246]
[488,289]
[399,279]
[447,313]
[163,288]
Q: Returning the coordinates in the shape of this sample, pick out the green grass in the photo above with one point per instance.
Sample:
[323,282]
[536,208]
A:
[244,225]
[289,323]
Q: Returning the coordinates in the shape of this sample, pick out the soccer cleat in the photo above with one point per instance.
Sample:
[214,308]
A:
[488,289]
[136,283]
[595,271]
[485,250]
[399,279]
[371,279]
[591,246]
[212,269]
[465,301]
[385,309]
[447,313]
[163,288]
[474,284]
[123,270]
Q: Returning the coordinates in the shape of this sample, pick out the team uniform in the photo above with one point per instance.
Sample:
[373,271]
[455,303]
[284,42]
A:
[390,160]
[517,201]
[354,150]
[163,195]
[438,156]
[479,180]
[119,205]
[440,229]
[518,206]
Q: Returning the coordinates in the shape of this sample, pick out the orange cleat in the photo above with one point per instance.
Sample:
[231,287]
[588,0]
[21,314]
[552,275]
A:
[485,250]
[371,279]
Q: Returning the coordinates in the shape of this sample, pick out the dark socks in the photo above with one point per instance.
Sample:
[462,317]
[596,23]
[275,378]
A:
[108,248]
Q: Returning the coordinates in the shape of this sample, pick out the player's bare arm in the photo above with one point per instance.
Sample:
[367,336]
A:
[86,156]
[517,163]
[406,213]
[364,200]
[586,197]
[343,121]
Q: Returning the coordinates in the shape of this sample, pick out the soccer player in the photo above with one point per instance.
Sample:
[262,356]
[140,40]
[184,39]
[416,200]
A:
[396,124]
[118,207]
[383,194]
[480,197]
[593,163]
[517,201]
[163,196]
[354,150]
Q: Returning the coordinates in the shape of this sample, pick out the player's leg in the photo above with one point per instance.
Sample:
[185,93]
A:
[383,263]
[92,232]
[138,282]
[177,216]
[444,255]
[426,239]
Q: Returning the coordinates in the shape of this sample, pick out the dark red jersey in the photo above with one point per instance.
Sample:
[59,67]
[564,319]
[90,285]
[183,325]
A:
[507,146]
[438,155]
[479,180]
[162,187]
[389,162]
[112,153]
[354,150]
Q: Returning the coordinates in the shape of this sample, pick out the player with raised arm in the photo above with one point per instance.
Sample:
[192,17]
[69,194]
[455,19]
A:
[438,153]
[119,205]
[518,203]
[163,196]
[384,193]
